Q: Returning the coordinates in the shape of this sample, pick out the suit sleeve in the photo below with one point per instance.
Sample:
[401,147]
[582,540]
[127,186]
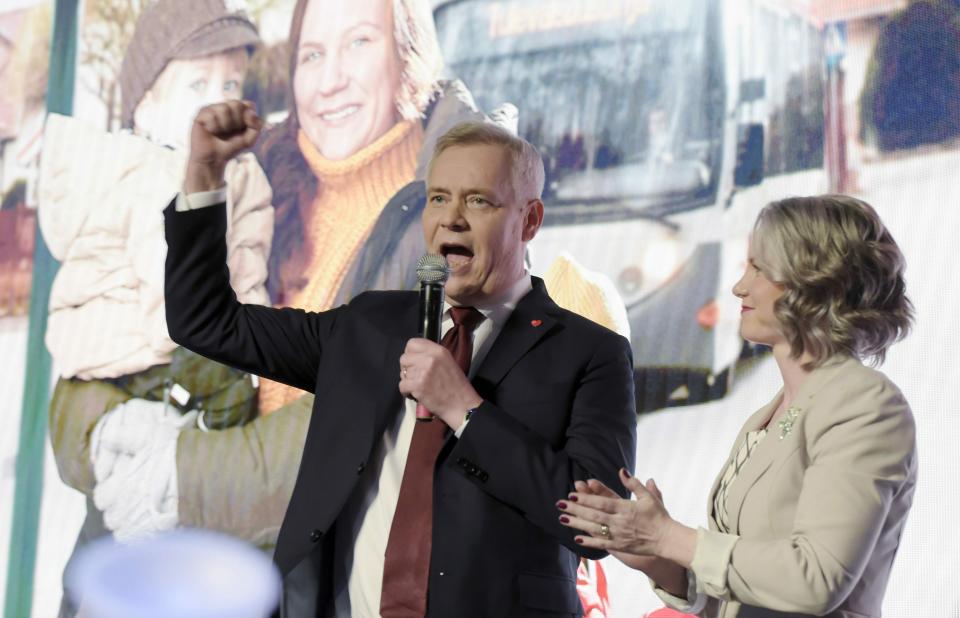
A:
[524,470]
[204,315]
[861,459]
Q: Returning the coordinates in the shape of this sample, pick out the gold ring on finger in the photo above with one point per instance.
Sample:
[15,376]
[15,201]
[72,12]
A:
[605,531]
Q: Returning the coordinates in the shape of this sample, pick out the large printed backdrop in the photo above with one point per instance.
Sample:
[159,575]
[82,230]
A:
[665,125]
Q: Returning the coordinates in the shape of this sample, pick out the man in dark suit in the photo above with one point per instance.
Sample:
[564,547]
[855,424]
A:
[391,516]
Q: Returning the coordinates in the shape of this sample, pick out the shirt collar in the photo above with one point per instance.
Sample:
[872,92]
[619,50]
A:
[499,308]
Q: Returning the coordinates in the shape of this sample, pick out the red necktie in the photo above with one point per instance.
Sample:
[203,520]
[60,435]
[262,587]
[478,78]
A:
[407,562]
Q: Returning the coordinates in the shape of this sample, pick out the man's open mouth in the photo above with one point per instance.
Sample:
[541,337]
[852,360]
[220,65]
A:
[457,255]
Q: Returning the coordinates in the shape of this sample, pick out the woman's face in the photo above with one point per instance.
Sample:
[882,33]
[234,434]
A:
[758,295]
[347,75]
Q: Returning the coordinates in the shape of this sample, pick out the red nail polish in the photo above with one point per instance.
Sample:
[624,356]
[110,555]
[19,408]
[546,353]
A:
[579,540]
[624,472]
[572,498]
[562,505]
[564,519]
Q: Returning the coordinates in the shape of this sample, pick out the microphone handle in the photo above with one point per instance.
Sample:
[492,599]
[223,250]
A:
[431,311]
[431,320]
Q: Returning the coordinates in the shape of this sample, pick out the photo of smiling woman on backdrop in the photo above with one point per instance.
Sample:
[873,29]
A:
[346,167]
[807,514]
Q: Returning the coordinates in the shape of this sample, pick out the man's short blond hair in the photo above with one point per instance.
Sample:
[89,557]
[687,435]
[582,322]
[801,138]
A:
[527,165]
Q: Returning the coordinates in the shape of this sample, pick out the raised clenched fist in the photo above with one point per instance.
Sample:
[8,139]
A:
[220,132]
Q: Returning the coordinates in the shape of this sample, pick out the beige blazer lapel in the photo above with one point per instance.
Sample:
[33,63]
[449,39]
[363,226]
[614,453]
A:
[754,422]
[770,448]
[777,443]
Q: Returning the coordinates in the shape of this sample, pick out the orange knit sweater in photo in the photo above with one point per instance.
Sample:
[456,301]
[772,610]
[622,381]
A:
[352,194]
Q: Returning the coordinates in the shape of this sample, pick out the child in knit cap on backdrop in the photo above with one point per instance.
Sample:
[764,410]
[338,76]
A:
[101,202]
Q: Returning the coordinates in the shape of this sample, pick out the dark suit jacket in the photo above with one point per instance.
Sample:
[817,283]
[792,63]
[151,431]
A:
[558,406]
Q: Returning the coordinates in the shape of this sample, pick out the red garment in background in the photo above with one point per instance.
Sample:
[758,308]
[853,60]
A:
[592,588]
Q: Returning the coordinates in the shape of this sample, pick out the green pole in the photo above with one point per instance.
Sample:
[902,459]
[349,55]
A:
[28,487]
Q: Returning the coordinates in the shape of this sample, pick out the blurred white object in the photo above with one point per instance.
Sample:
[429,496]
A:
[182,574]
[133,450]
[507,116]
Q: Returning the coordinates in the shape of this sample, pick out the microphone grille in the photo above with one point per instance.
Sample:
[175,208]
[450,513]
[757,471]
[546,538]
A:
[432,268]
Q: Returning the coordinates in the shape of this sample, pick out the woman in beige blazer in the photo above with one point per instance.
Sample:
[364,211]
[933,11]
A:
[806,515]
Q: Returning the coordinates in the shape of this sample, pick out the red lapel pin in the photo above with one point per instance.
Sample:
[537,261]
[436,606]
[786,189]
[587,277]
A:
[536,322]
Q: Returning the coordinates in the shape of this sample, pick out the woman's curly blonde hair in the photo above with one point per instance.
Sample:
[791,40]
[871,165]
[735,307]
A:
[842,274]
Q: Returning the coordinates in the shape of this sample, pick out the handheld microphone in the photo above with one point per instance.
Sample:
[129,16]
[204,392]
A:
[432,273]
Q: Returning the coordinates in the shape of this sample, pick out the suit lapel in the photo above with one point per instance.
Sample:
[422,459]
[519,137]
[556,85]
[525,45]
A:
[753,423]
[764,454]
[776,443]
[534,316]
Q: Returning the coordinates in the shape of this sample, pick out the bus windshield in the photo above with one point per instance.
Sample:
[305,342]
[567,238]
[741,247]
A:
[624,98]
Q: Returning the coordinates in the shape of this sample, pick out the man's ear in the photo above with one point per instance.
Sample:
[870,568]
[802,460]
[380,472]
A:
[532,219]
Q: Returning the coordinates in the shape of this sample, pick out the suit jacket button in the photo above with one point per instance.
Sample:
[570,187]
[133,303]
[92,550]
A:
[315,536]
[361,467]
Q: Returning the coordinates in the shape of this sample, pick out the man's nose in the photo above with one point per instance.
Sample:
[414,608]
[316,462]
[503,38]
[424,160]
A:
[452,215]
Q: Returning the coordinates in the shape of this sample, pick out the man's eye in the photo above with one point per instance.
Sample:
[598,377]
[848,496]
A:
[231,86]
[198,85]
[436,199]
[476,200]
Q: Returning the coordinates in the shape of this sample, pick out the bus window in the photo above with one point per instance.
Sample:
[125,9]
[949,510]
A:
[624,98]
[792,69]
